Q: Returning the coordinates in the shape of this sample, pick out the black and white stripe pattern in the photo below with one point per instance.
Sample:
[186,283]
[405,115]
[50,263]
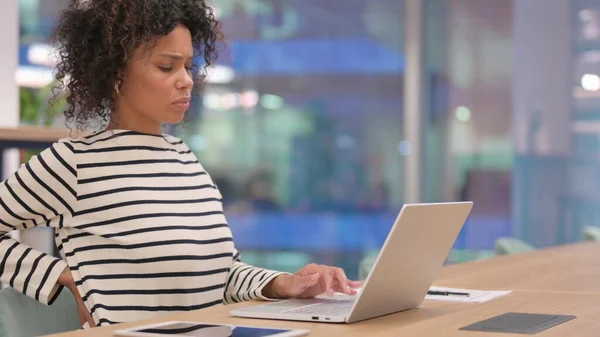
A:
[137,220]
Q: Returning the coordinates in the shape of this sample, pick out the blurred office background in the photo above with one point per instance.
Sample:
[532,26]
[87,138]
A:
[302,124]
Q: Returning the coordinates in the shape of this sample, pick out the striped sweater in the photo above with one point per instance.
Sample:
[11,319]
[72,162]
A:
[136,219]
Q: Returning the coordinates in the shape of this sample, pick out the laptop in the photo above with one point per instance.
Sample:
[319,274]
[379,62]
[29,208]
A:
[412,255]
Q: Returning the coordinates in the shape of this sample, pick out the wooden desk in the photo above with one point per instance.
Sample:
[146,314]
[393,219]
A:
[430,319]
[571,268]
[563,280]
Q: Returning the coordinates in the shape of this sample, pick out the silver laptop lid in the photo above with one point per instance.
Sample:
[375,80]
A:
[410,259]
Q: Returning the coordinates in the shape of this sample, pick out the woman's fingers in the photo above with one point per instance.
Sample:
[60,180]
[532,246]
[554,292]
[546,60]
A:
[89,318]
[344,289]
[354,284]
[329,282]
[85,318]
[342,280]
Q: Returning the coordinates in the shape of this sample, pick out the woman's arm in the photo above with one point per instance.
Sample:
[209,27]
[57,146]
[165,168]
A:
[261,284]
[246,282]
[40,193]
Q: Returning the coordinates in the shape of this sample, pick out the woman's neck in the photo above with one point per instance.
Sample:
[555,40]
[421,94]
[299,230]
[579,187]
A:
[129,120]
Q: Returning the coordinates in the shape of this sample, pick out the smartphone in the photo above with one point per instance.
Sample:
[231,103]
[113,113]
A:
[193,329]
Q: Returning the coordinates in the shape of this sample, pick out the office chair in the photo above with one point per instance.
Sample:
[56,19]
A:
[591,233]
[21,316]
[509,246]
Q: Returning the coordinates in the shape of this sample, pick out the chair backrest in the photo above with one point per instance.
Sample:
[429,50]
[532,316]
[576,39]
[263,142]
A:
[509,246]
[21,316]
[591,233]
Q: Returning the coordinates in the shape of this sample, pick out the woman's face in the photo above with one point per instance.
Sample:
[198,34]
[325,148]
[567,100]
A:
[157,85]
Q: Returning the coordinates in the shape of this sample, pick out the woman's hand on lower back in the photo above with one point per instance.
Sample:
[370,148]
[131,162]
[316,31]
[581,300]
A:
[66,279]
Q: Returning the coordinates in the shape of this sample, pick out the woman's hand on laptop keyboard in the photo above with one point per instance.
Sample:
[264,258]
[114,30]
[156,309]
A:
[311,281]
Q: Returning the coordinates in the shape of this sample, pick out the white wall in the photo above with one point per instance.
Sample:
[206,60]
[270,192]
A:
[40,238]
[9,59]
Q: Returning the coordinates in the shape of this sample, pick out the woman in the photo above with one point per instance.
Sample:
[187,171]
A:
[138,221]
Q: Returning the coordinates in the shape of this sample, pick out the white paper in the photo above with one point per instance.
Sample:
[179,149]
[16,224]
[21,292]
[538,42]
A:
[475,296]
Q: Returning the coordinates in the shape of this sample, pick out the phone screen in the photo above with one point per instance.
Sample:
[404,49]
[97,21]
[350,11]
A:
[205,330]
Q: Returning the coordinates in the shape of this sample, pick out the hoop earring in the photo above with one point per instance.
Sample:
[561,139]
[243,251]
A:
[117,91]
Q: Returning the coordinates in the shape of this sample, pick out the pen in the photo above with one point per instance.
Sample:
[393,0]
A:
[446,293]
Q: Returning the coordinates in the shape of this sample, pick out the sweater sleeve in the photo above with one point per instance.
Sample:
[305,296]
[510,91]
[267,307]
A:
[246,282]
[40,193]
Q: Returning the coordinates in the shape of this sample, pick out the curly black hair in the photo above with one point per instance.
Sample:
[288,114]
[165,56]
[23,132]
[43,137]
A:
[95,40]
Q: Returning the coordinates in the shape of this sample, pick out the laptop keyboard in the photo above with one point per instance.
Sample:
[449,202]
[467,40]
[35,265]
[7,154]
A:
[329,308]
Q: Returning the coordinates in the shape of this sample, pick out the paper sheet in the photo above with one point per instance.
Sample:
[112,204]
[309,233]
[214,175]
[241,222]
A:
[475,296]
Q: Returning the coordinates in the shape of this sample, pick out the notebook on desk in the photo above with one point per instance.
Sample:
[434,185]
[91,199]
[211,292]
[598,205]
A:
[412,255]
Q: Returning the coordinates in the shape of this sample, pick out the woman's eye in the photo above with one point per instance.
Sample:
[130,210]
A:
[165,69]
